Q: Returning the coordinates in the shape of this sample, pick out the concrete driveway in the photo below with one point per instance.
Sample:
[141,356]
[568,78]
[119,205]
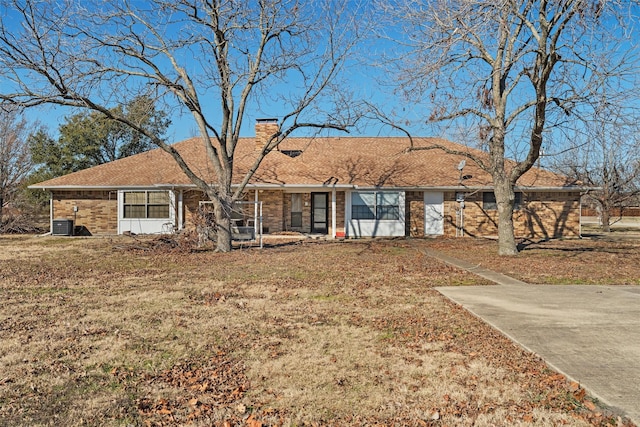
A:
[589,333]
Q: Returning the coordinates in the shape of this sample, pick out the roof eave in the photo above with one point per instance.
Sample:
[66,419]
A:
[564,188]
[314,186]
[90,187]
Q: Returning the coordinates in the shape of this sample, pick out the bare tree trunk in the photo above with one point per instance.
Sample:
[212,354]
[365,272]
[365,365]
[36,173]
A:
[223,221]
[505,71]
[503,187]
[1,208]
[505,199]
[606,219]
[248,48]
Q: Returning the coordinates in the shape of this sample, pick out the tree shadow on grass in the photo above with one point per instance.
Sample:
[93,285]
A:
[609,246]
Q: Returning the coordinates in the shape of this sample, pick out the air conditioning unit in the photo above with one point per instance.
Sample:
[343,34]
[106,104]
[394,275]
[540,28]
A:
[62,227]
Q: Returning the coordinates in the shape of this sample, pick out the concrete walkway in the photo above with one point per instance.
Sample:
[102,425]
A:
[589,333]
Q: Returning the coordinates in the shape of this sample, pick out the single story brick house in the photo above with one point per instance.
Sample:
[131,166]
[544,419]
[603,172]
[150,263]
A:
[337,186]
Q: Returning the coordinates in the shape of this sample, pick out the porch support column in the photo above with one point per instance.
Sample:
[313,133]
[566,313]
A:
[119,201]
[180,209]
[333,213]
[50,212]
[255,214]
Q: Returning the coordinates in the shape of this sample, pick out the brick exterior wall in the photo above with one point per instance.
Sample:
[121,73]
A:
[450,213]
[615,212]
[273,204]
[306,212]
[551,215]
[97,210]
[340,207]
[414,214]
[276,210]
[190,203]
[542,215]
[273,210]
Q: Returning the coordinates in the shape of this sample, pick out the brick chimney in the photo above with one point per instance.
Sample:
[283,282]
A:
[265,129]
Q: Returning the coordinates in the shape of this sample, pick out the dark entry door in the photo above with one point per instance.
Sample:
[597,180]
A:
[319,213]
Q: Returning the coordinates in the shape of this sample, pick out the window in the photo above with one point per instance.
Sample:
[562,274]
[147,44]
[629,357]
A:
[363,205]
[375,205]
[146,204]
[296,210]
[388,206]
[489,201]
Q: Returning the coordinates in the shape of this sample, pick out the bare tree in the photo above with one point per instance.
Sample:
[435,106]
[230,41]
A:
[214,59]
[504,75]
[15,158]
[604,152]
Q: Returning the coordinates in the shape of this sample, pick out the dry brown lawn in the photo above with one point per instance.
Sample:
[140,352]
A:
[107,332]
[602,260]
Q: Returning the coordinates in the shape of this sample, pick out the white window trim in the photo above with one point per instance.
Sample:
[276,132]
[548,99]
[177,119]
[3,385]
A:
[146,225]
[383,228]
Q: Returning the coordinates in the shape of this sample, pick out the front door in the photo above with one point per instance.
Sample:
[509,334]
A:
[319,213]
[433,213]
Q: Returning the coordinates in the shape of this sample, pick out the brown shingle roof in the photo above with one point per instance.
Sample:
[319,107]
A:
[358,161]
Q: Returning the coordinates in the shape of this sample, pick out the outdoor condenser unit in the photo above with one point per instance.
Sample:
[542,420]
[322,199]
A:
[62,227]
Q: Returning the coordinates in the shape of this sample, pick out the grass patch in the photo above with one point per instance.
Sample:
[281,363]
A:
[98,332]
[594,261]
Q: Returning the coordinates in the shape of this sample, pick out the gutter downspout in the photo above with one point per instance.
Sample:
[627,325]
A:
[51,212]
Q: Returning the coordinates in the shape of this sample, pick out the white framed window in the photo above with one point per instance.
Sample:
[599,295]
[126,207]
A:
[375,205]
[363,205]
[388,206]
[146,204]
[296,210]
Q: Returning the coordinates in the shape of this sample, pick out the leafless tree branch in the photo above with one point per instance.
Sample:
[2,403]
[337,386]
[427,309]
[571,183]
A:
[214,59]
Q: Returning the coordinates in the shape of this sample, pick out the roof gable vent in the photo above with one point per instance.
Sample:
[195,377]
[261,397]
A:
[291,153]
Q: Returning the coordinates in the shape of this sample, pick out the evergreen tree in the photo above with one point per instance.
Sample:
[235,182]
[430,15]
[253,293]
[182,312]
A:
[89,138]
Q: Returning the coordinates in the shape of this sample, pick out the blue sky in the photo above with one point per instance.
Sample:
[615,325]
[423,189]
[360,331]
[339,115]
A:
[361,78]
